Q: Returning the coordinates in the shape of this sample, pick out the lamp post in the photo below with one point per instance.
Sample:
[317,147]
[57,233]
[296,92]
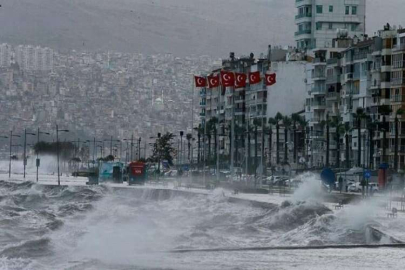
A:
[57,148]
[11,145]
[25,148]
[95,149]
[37,160]
[139,148]
[181,146]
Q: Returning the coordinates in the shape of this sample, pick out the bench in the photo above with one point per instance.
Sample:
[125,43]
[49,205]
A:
[340,205]
[393,213]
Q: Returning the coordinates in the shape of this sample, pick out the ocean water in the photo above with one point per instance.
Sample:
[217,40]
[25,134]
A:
[50,227]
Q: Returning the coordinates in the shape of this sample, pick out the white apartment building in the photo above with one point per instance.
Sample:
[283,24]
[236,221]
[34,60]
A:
[319,20]
[5,55]
[34,58]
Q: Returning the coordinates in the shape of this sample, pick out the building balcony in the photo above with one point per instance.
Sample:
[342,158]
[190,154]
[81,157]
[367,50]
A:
[317,90]
[299,3]
[319,77]
[398,82]
[318,106]
[386,68]
[303,32]
[332,95]
[333,79]
[375,85]
[203,104]
[400,47]
[348,76]
[303,16]
[385,85]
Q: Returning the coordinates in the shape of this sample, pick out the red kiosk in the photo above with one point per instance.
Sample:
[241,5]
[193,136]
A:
[137,173]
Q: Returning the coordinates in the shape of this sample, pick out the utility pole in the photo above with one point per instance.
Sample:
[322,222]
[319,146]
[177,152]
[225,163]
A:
[11,145]
[38,160]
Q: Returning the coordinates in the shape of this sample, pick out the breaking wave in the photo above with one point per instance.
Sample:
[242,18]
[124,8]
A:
[96,227]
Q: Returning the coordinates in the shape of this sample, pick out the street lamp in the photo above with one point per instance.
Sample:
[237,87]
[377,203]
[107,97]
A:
[11,145]
[57,148]
[25,148]
[38,161]
[181,146]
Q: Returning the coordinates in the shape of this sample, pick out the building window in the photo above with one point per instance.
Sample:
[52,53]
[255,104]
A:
[354,27]
[330,25]
[347,10]
[331,9]
[318,26]
[319,9]
[354,10]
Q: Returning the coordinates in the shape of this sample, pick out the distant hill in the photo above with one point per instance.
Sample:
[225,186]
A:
[182,27]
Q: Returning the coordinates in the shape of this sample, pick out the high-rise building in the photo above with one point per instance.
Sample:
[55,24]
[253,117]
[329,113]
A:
[5,55]
[318,21]
[34,58]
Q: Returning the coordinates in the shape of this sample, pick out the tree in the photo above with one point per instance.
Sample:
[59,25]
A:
[304,125]
[340,130]
[66,149]
[163,149]
[398,112]
[211,129]
[371,127]
[256,123]
[295,117]
[278,118]
[189,137]
[359,115]
[347,131]
[384,110]
[200,131]
[272,122]
[287,125]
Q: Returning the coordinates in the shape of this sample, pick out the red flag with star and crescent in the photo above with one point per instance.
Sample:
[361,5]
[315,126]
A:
[254,77]
[240,80]
[227,78]
[213,81]
[200,81]
[270,79]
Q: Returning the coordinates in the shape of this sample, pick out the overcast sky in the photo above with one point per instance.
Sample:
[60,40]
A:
[182,27]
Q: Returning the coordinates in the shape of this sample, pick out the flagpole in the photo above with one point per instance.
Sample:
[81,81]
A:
[218,124]
[192,118]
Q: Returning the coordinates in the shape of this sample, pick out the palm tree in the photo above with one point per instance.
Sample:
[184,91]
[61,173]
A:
[256,123]
[359,115]
[287,124]
[347,131]
[326,123]
[339,126]
[189,136]
[278,118]
[296,119]
[200,130]
[384,110]
[399,112]
[239,131]
[304,125]
[210,129]
[371,127]
[272,122]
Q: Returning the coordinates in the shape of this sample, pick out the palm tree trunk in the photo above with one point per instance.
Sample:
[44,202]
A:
[337,148]
[256,150]
[236,149]
[327,144]
[396,145]
[278,144]
[285,145]
[199,148]
[359,142]
[209,149]
[189,148]
[269,143]
[371,147]
[295,144]
[215,144]
[347,151]
[383,142]
[248,155]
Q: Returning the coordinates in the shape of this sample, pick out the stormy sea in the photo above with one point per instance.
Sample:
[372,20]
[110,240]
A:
[99,227]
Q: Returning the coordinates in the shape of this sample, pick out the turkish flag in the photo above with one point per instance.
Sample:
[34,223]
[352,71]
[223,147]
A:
[254,77]
[200,81]
[213,81]
[240,80]
[227,78]
[270,79]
